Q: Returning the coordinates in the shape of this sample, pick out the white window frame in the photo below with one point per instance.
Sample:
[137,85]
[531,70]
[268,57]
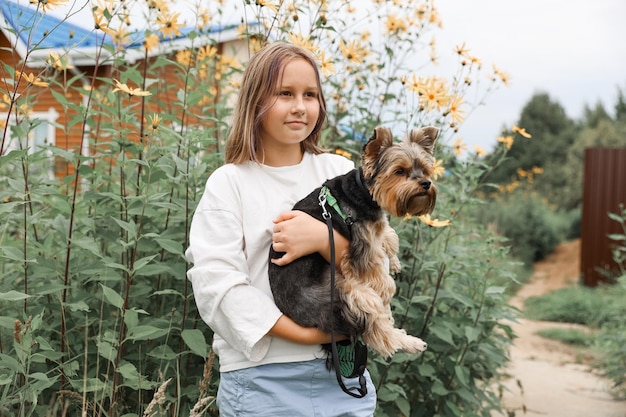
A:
[46,119]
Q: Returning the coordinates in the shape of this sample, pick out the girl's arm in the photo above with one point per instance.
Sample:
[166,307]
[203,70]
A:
[286,328]
[298,234]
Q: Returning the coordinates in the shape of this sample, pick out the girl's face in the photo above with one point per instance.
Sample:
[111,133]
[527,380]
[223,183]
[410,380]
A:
[294,111]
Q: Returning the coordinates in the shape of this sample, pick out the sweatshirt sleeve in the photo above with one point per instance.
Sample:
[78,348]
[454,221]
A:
[238,312]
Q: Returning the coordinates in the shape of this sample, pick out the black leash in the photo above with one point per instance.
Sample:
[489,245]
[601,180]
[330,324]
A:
[362,390]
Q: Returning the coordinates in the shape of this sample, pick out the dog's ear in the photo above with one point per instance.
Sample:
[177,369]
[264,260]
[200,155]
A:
[381,139]
[424,137]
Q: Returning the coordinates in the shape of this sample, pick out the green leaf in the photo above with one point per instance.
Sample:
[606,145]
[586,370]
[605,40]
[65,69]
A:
[112,297]
[154,269]
[462,374]
[78,306]
[107,351]
[438,388]
[5,379]
[195,341]
[141,263]
[13,296]
[10,363]
[163,352]
[471,333]
[171,246]
[167,292]
[145,332]
[442,333]
[404,406]
[129,226]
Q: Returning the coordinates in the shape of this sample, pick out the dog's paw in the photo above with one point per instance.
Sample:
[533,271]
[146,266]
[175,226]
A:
[394,265]
[414,345]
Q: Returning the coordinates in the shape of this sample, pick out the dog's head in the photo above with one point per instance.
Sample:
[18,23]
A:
[398,175]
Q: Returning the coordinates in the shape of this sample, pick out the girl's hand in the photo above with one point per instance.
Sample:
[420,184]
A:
[298,234]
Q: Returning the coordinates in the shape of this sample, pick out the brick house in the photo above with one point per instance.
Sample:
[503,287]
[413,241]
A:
[28,37]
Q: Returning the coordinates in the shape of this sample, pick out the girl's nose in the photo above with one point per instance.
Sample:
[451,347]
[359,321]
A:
[298,105]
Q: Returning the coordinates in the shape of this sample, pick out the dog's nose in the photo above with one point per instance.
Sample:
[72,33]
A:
[425,184]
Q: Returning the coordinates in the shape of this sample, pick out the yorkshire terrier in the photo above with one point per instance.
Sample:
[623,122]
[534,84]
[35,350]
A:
[393,178]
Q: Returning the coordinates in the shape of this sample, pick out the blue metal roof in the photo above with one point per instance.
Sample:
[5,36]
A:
[49,32]
[46,31]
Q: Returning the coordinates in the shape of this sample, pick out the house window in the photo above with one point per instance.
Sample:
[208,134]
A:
[41,134]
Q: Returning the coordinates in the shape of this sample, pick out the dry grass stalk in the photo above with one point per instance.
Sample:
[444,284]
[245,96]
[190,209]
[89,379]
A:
[158,399]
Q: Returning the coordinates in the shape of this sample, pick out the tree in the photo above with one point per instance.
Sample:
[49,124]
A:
[552,132]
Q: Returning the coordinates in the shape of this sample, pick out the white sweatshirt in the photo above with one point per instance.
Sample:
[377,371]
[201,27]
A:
[229,242]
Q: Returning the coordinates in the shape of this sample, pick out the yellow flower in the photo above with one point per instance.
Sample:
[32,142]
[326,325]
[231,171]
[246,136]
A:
[537,170]
[425,218]
[207,53]
[454,109]
[100,22]
[504,77]
[343,153]
[479,151]
[204,18]
[263,3]
[31,79]
[433,92]
[522,132]
[438,169]
[130,91]
[353,51]
[160,5]
[462,50]
[151,41]
[305,42]
[184,57]
[395,25]
[4,101]
[506,140]
[120,37]
[47,4]
[475,61]
[169,24]
[326,64]
[57,62]
[155,121]
[459,147]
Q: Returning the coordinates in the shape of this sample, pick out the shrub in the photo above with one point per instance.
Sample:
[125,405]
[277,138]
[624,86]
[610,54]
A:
[532,228]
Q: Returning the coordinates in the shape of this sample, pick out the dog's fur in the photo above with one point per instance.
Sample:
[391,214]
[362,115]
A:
[396,178]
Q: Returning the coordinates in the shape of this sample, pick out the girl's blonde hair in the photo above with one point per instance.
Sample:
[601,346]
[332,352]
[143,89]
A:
[260,81]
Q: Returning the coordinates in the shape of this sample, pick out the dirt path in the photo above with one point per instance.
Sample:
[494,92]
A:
[547,378]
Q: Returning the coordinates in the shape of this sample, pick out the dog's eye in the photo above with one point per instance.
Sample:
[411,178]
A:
[400,172]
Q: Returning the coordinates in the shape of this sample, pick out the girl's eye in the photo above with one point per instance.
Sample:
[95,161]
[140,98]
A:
[284,93]
[311,95]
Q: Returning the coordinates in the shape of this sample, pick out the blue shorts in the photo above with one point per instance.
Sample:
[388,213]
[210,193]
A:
[294,389]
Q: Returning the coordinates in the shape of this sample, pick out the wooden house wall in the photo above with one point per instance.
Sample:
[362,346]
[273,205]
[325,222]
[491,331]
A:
[69,136]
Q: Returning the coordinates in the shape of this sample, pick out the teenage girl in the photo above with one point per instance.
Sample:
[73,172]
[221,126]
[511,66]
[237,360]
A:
[269,365]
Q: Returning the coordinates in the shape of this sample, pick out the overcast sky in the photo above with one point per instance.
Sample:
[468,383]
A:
[575,50]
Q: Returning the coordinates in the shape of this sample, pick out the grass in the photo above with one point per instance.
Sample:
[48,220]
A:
[571,337]
[581,305]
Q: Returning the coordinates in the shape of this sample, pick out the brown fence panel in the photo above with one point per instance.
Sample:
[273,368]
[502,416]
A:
[604,189]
